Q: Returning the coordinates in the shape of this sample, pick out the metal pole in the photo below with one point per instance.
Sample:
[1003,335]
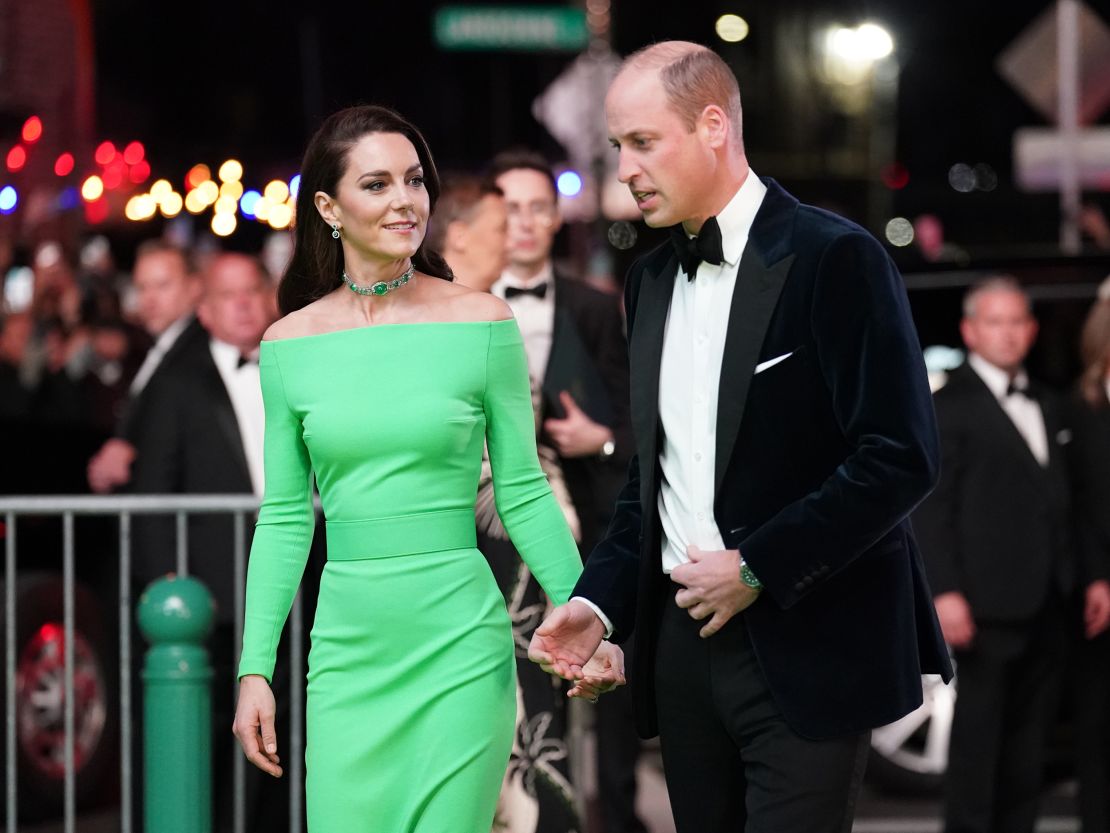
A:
[70,614]
[1067,52]
[182,544]
[9,666]
[126,767]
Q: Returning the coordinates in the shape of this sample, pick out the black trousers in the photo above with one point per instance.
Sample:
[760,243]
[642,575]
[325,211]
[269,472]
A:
[1008,693]
[732,763]
[618,753]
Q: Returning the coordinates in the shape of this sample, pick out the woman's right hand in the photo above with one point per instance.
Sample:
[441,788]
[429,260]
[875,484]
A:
[254,724]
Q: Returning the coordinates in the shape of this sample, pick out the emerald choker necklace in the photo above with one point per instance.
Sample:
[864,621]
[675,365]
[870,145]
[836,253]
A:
[381,287]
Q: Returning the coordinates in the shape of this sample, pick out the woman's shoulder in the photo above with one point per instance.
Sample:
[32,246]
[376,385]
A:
[307,321]
[461,303]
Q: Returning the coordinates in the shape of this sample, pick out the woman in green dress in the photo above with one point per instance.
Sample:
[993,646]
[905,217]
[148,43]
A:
[382,381]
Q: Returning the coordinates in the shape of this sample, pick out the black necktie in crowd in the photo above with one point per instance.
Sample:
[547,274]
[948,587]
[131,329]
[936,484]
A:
[705,247]
[539,290]
[243,359]
[1011,389]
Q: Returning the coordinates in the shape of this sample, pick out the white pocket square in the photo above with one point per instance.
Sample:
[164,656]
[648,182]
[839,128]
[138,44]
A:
[759,368]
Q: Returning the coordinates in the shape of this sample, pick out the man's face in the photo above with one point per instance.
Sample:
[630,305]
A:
[236,304]
[533,213]
[1002,330]
[487,235]
[164,290]
[667,167]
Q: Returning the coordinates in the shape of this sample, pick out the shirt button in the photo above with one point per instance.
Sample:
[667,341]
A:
[701,516]
[697,456]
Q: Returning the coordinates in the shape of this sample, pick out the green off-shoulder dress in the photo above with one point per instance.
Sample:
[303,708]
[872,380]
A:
[411,681]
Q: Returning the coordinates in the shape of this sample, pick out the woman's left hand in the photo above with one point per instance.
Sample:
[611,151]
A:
[604,672]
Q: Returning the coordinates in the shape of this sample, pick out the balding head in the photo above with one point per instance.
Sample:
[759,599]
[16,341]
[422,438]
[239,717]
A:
[235,307]
[693,78]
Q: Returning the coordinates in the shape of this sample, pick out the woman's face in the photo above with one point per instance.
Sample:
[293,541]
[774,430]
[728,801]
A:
[380,204]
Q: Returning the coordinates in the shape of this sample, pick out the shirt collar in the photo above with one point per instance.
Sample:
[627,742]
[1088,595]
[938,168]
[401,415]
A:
[996,379]
[737,216]
[169,335]
[546,275]
[225,355]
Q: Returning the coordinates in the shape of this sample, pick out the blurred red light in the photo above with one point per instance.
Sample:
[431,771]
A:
[64,165]
[96,212]
[895,176]
[140,173]
[17,158]
[113,178]
[105,153]
[134,153]
[32,129]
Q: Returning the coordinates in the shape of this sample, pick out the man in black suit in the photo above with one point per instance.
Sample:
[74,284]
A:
[575,339]
[201,432]
[166,292]
[995,535]
[784,431]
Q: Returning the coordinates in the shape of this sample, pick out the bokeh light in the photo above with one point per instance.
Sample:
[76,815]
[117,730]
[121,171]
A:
[63,165]
[732,28]
[899,231]
[92,189]
[224,224]
[32,130]
[17,158]
[569,183]
[231,171]
[9,199]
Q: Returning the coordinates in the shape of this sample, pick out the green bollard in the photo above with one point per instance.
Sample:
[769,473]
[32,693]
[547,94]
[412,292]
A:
[176,615]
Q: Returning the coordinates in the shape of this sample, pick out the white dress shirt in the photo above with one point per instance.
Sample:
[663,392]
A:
[245,391]
[157,352]
[1024,412]
[535,317]
[689,382]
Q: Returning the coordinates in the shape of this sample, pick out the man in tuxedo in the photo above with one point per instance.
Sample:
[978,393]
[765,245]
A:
[784,431]
[166,294]
[573,339]
[995,535]
[201,432]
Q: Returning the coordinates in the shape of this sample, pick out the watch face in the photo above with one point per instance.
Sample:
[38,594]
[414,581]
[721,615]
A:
[608,448]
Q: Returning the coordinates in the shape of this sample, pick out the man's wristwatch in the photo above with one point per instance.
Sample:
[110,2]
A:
[748,577]
[607,449]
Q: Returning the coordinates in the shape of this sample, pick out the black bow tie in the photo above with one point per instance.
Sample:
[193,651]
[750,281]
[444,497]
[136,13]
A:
[539,290]
[693,250]
[245,360]
[1012,389]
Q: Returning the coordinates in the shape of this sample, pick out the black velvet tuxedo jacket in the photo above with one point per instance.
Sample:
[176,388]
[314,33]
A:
[819,461]
[593,319]
[1089,456]
[998,527]
[188,442]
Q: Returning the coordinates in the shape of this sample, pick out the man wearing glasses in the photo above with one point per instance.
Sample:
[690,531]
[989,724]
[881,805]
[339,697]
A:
[578,357]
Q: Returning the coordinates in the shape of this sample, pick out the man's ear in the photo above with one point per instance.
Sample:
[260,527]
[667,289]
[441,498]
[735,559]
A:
[714,126]
[457,237]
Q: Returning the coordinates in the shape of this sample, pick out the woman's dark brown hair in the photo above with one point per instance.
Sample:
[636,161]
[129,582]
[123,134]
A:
[317,262]
[1094,346]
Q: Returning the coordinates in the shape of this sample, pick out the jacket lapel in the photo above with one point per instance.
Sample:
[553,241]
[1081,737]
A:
[764,267]
[224,415]
[645,354]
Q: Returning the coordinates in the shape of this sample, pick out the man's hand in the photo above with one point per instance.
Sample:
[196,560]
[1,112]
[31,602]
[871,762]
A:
[566,640]
[576,435]
[956,622]
[1096,608]
[254,724]
[603,673]
[111,466]
[712,587]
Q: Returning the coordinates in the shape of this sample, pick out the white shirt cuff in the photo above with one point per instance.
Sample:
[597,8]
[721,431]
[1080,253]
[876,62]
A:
[604,619]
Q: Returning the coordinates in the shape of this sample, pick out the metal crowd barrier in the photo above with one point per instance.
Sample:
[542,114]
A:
[182,506]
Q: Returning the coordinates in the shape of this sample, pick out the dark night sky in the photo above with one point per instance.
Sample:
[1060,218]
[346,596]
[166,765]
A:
[202,80]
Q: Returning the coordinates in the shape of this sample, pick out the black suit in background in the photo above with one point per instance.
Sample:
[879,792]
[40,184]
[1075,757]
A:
[819,459]
[997,530]
[188,442]
[1089,458]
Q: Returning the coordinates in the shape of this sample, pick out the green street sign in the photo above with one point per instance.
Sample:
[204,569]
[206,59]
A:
[523,28]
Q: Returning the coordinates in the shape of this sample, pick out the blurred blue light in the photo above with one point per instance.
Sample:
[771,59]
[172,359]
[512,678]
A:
[294,186]
[570,184]
[248,202]
[69,199]
[9,199]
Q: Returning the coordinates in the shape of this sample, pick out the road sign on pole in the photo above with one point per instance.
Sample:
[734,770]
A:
[523,28]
